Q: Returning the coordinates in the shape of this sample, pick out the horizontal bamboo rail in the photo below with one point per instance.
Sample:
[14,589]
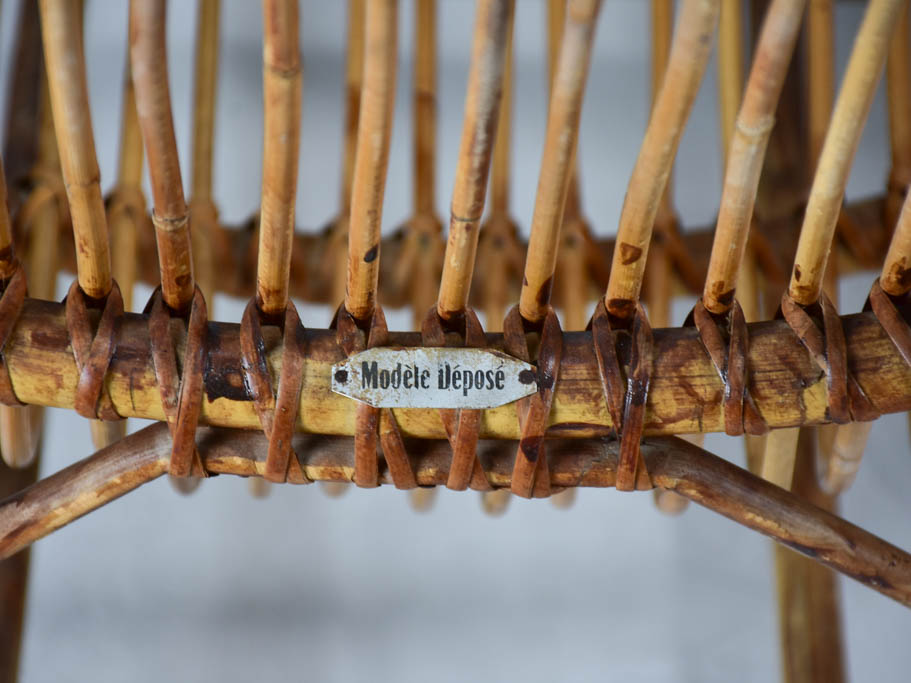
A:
[788,387]
[672,463]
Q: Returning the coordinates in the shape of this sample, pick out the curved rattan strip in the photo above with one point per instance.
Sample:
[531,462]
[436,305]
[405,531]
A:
[531,476]
[846,400]
[893,322]
[462,425]
[93,349]
[277,408]
[181,389]
[10,306]
[371,422]
[625,400]
[730,361]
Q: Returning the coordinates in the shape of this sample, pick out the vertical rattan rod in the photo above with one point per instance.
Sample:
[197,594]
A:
[204,82]
[479,131]
[425,88]
[282,101]
[662,16]
[205,235]
[730,71]
[851,109]
[124,226]
[153,105]
[686,66]
[18,439]
[747,152]
[61,26]
[558,157]
[821,76]
[371,159]
[898,83]
[502,147]
[354,79]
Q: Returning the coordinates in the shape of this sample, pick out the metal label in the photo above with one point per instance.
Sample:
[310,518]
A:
[418,377]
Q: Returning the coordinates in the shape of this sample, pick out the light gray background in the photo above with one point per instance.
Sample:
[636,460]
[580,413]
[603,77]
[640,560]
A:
[219,586]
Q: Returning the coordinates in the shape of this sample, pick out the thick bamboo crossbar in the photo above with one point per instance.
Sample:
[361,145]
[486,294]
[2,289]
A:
[673,463]
[789,388]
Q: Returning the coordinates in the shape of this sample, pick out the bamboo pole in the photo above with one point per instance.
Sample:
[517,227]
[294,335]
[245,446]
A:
[730,71]
[153,105]
[18,437]
[809,615]
[747,153]
[850,114]
[479,131]
[354,79]
[124,224]
[821,76]
[416,273]
[672,463]
[898,89]
[282,98]
[425,106]
[558,156]
[205,236]
[124,217]
[61,24]
[335,261]
[371,160]
[686,66]
[499,234]
[786,384]
[28,123]
[659,268]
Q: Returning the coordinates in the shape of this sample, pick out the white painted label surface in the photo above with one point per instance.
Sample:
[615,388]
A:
[418,377]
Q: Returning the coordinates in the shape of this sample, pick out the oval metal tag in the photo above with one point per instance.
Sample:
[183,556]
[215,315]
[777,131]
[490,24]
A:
[433,377]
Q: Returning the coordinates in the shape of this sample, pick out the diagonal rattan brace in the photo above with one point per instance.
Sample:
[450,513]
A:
[462,425]
[530,474]
[10,306]
[827,347]
[625,399]
[371,422]
[730,362]
[277,408]
[93,349]
[895,325]
[181,389]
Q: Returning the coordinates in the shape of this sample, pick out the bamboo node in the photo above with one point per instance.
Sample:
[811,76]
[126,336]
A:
[170,224]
